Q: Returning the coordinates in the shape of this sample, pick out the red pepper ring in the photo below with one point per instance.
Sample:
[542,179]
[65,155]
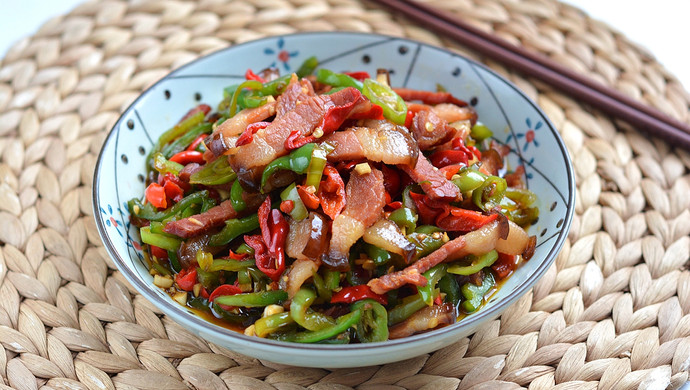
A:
[222,290]
[247,135]
[188,156]
[361,75]
[186,279]
[351,294]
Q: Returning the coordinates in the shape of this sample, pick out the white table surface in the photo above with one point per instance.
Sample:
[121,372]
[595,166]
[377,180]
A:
[660,26]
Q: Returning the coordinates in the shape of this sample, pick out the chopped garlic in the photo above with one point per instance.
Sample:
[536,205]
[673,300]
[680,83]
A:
[318,132]
[162,281]
[363,168]
[181,297]
[196,289]
[249,331]
[272,309]
[445,237]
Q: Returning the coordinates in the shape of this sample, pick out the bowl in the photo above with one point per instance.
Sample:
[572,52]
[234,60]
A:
[517,122]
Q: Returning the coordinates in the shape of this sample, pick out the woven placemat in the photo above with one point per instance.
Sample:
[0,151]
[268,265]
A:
[613,312]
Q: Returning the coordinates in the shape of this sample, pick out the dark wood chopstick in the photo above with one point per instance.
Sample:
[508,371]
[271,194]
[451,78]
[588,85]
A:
[587,90]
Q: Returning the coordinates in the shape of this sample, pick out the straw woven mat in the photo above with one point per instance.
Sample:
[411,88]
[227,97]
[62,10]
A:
[613,312]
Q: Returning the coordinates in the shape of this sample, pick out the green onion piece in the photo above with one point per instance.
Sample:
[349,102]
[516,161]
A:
[159,240]
[317,164]
[299,211]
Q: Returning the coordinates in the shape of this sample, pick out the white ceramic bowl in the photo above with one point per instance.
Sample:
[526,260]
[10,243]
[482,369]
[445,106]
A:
[515,119]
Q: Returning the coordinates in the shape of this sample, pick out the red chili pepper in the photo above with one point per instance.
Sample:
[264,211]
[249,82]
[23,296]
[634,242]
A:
[205,108]
[173,191]
[375,112]
[155,194]
[269,249]
[438,300]
[504,265]
[463,220]
[250,75]
[336,115]
[186,279]
[247,135]
[361,75]
[237,256]
[203,293]
[332,192]
[394,205]
[391,180]
[450,170]
[296,140]
[196,142]
[429,97]
[442,158]
[159,252]
[310,200]
[351,294]
[287,206]
[408,118]
[345,166]
[188,156]
[224,289]
[175,179]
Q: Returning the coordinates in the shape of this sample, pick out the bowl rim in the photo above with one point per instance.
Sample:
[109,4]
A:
[172,309]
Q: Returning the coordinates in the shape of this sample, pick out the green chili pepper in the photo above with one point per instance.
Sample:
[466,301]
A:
[407,199]
[243,318]
[163,165]
[244,280]
[331,279]
[406,308]
[260,278]
[323,294]
[161,270]
[405,218]
[379,255]
[251,84]
[394,107]
[489,194]
[307,67]
[229,265]
[474,295]
[270,324]
[432,276]
[342,324]
[244,249]
[181,143]
[275,87]
[469,179]
[373,325]
[426,242]
[236,196]
[234,228]
[254,299]
[299,211]
[297,161]
[159,240]
[174,133]
[480,132]
[317,164]
[516,206]
[449,286]
[477,264]
[199,303]
[210,280]
[174,261]
[216,172]
[301,313]
[333,79]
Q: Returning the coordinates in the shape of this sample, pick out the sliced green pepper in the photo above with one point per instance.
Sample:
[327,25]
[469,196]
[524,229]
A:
[229,265]
[254,299]
[234,228]
[426,239]
[301,313]
[299,211]
[183,141]
[307,67]
[174,261]
[236,196]
[297,161]
[406,308]
[477,264]
[163,165]
[159,240]
[270,324]
[449,286]
[210,280]
[432,276]
[469,178]
[405,218]
[333,79]
[394,107]
[474,295]
[490,193]
[516,205]
[216,172]
[379,255]
[174,133]
[342,324]
[373,325]
[251,84]
[480,132]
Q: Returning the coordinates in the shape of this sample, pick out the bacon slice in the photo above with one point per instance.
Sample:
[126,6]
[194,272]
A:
[434,183]
[295,93]
[364,204]
[431,130]
[223,139]
[379,141]
[427,318]
[478,242]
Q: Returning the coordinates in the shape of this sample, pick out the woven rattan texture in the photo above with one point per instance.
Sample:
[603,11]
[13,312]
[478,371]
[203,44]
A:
[613,312]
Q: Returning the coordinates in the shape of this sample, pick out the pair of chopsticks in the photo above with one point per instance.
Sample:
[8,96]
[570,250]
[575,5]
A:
[597,95]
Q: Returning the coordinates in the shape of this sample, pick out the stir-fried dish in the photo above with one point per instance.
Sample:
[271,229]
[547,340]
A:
[323,207]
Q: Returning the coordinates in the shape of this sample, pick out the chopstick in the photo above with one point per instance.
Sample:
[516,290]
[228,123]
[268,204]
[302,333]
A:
[640,116]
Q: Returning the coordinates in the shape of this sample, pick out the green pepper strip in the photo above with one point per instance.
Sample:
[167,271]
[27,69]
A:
[478,263]
[174,261]
[469,179]
[163,165]
[324,294]
[432,276]
[229,265]
[309,319]
[379,255]
[234,228]
[480,132]
[474,295]
[244,280]
[159,240]
[449,286]
[373,326]
[161,270]
[405,218]
[236,196]
[489,194]
[516,206]
[297,161]
[332,279]
[333,79]
[175,132]
[216,172]
[181,143]
[407,199]
[394,107]
[317,164]
[307,67]
[342,324]
[251,84]
[255,299]
[409,306]
[210,280]
[299,211]
[267,325]
[424,240]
